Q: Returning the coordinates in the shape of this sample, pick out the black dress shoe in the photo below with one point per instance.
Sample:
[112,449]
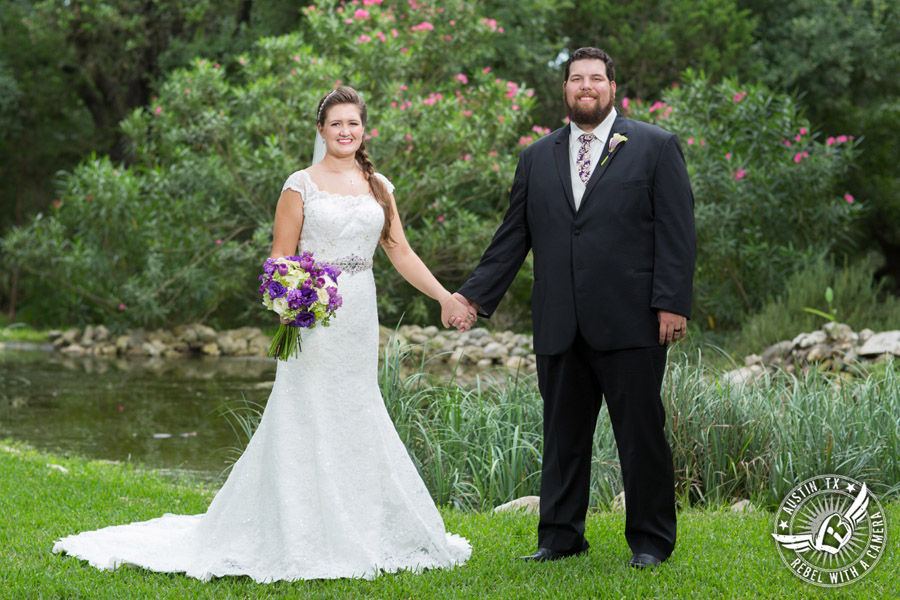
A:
[642,561]
[545,554]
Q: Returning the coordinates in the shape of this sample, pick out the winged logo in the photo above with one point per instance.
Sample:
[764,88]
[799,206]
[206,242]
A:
[833,533]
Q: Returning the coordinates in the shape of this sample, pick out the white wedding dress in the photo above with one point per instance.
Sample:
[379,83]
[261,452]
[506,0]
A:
[325,488]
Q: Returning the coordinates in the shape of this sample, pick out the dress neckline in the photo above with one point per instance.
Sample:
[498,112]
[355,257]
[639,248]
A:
[334,194]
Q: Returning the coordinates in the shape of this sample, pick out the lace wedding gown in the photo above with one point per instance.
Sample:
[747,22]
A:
[325,488]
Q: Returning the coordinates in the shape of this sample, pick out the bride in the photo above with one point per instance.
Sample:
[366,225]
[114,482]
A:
[325,488]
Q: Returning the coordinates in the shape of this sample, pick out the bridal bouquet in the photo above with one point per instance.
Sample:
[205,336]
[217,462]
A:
[302,291]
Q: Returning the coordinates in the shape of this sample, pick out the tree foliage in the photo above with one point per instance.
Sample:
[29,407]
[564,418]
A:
[186,227]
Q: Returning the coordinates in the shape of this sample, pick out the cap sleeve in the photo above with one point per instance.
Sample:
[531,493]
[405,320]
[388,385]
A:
[387,182]
[295,182]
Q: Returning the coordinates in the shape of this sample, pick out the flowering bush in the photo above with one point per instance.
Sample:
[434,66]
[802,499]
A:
[767,198]
[177,236]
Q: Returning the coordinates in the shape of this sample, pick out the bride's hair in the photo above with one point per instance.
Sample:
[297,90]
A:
[347,95]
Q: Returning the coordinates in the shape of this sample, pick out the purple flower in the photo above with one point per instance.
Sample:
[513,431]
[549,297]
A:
[294,299]
[306,261]
[269,266]
[320,281]
[307,283]
[282,269]
[308,296]
[332,272]
[331,290]
[335,302]
[305,319]
[276,290]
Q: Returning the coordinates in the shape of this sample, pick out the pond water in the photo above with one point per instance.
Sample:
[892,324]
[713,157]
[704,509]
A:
[163,414]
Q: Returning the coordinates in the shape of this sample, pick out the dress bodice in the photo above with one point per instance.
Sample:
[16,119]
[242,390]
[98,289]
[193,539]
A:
[337,226]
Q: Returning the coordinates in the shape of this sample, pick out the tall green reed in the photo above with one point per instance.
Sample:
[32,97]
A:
[478,444]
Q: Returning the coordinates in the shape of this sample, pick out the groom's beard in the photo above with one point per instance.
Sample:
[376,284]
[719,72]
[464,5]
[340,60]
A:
[590,117]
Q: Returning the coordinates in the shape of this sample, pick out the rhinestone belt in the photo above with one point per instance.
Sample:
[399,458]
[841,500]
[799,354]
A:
[350,264]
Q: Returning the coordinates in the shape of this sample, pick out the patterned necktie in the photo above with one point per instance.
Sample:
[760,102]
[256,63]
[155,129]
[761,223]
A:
[583,160]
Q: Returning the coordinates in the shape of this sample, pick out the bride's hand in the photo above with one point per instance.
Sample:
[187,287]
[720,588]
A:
[456,314]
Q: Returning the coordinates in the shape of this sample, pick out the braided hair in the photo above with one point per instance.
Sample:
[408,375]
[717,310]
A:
[347,95]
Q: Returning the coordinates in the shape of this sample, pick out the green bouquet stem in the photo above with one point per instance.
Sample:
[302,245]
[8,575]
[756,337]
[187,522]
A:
[285,342]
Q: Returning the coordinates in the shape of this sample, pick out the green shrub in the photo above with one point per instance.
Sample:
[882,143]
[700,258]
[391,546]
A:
[181,235]
[767,200]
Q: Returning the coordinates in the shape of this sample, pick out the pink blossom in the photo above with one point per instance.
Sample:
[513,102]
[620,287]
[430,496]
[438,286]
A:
[728,156]
[452,22]
[368,136]
[525,140]
[297,57]
[486,70]
[158,110]
[374,132]
[187,90]
[829,141]
[57,203]
[403,87]
[702,143]
[566,120]
[690,141]
[668,112]
[798,157]
[466,157]
[786,142]
[348,20]
[216,66]
[339,9]
[461,78]
[529,93]
[121,408]
[423,26]
[218,242]
[515,107]
[293,71]
[541,130]
[404,50]
[625,102]
[409,149]
[500,29]
[434,204]
[381,36]
[371,2]
[361,13]
[803,131]
[408,137]
[492,153]
[393,105]
[242,60]
[441,219]
[363,39]
[394,32]
[848,198]
[738,96]
[467,113]
[122,307]
[798,137]
[448,38]
[656,105]
[841,139]
[501,118]
[739,174]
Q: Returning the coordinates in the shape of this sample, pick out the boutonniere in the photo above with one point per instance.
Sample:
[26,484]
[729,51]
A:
[617,138]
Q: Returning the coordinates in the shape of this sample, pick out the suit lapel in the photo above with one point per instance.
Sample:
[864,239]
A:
[620,125]
[561,152]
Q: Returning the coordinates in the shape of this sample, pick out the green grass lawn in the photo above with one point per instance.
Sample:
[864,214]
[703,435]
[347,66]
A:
[719,554]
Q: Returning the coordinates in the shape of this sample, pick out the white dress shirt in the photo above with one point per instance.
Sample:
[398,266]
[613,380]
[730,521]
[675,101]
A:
[601,133]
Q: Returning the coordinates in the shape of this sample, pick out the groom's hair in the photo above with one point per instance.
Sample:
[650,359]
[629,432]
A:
[583,53]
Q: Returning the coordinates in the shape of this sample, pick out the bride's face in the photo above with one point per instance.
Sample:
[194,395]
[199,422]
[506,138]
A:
[343,130]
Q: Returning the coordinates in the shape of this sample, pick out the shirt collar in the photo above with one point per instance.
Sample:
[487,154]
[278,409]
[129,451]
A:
[601,131]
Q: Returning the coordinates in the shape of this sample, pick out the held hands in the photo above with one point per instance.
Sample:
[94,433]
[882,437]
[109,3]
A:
[672,327]
[456,313]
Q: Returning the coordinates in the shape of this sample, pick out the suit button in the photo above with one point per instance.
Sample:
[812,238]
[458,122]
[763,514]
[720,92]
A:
[577,232]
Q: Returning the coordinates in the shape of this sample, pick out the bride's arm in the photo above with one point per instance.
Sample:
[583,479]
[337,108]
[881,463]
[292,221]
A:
[288,224]
[413,270]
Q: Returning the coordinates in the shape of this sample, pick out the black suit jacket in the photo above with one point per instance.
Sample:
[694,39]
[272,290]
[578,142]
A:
[606,269]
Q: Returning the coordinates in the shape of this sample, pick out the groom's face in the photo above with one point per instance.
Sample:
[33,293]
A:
[589,95]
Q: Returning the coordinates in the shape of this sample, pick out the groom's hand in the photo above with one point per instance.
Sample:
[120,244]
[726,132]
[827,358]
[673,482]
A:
[473,310]
[672,326]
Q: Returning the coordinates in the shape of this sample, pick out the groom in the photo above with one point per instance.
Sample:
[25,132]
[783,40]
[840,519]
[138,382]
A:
[606,206]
